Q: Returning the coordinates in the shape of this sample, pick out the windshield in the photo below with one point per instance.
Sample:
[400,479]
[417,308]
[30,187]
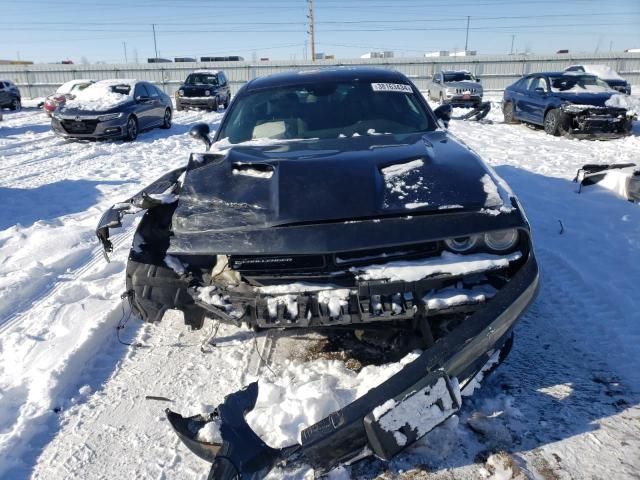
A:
[329,110]
[458,77]
[202,79]
[578,84]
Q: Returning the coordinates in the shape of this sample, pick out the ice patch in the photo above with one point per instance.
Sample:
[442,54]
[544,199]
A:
[401,168]
[446,264]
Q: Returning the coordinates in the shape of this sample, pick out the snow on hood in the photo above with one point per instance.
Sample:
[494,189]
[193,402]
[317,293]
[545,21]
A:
[100,96]
[632,104]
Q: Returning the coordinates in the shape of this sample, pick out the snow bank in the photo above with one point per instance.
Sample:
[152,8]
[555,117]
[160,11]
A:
[446,264]
[305,393]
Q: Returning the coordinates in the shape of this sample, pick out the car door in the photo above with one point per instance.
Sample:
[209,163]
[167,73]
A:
[224,88]
[538,99]
[157,110]
[518,97]
[144,106]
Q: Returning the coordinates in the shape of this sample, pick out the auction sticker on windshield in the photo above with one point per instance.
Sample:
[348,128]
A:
[391,87]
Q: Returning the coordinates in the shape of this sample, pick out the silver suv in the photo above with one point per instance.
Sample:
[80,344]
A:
[459,88]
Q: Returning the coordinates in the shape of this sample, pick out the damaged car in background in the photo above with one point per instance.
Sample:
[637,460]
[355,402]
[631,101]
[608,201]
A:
[568,103]
[335,201]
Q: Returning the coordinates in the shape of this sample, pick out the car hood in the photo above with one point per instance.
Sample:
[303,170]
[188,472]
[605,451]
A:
[467,85]
[596,99]
[301,182]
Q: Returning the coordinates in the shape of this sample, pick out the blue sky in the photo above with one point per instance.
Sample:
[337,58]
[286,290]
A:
[49,31]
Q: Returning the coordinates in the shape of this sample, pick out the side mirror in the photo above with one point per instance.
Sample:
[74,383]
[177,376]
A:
[478,80]
[142,98]
[443,112]
[201,131]
[540,90]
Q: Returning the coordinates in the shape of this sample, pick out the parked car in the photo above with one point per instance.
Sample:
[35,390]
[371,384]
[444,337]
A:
[457,88]
[332,201]
[204,89]
[606,73]
[10,95]
[64,92]
[566,103]
[116,108]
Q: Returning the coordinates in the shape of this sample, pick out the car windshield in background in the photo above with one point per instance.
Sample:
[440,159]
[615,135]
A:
[578,83]
[459,77]
[324,111]
[202,79]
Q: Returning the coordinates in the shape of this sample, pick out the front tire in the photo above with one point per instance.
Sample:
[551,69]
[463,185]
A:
[16,104]
[166,123]
[508,113]
[226,102]
[551,122]
[131,130]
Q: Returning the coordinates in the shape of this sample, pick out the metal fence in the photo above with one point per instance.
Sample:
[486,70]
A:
[496,72]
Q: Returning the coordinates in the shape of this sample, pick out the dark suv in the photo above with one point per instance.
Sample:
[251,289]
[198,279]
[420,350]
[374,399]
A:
[204,89]
[9,95]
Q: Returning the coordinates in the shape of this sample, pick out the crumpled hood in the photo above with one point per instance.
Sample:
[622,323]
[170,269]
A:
[596,99]
[466,85]
[331,180]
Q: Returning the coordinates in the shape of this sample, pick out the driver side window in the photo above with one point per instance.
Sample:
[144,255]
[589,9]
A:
[141,91]
[539,82]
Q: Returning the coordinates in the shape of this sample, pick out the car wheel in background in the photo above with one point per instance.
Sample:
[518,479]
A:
[226,102]
[507,111]
[166,123]
[131,129]
[551,121]
[214,105]
[179,106]
[15,104]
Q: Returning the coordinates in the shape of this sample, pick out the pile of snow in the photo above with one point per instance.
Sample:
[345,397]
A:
[605,72]
[210,433]
[305,393]
[630,102]
[101,96]
[67,87]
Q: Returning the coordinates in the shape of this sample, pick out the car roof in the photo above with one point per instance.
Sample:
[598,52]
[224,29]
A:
[559,74]
[210,72]
[332,74]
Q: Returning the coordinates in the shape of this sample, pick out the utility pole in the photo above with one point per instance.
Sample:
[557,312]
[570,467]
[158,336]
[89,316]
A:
[124,45]
[155,43]
[466,40]
[513,38]
[311,32]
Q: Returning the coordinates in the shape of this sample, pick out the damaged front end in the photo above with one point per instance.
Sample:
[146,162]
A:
[593,121]
[430,253]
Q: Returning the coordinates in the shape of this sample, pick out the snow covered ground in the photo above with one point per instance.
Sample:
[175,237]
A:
[73,399]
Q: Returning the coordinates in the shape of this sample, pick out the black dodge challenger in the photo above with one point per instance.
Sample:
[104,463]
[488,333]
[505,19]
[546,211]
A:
[335,201]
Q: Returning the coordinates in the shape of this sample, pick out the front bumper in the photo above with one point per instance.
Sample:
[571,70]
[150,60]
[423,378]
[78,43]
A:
[583,121]
[354,428]
[89,128]
[196,102]
[466,101]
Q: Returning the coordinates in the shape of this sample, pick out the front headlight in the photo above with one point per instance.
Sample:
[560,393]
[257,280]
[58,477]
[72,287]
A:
[462,244]
[181,92]
[109,116]
[501,240]
[207,93]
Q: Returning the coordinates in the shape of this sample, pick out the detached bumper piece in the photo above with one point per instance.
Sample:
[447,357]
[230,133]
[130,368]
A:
[480,111]
[622,178]
[602,122]
[390,416]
